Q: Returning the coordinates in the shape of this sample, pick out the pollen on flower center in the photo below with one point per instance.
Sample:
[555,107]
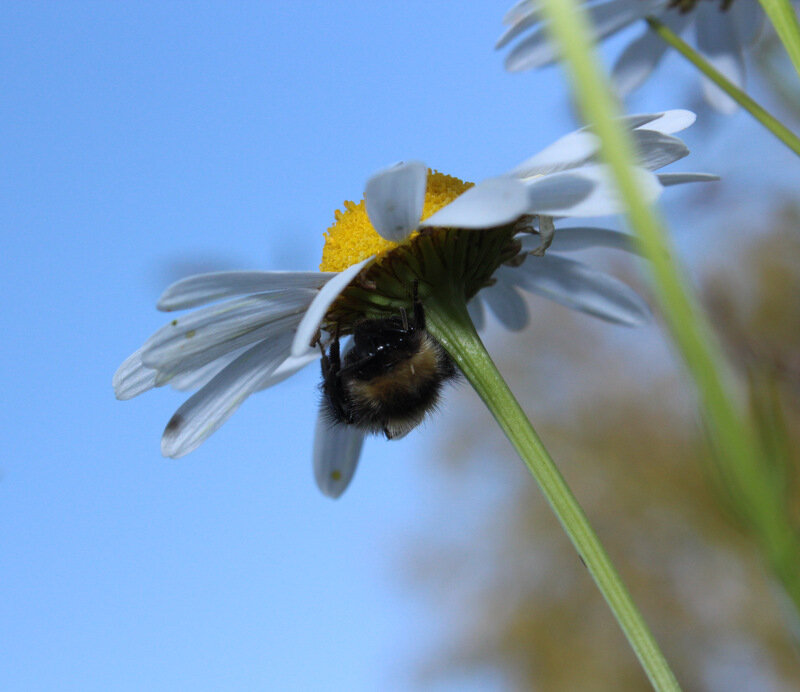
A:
[352,237]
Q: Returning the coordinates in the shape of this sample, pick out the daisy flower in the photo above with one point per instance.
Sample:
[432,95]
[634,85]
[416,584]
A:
[722,30]
[414,227]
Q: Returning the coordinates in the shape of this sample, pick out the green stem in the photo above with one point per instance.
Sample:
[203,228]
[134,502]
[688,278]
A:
[732,437]
[760,114]
[449,322]
[784,19]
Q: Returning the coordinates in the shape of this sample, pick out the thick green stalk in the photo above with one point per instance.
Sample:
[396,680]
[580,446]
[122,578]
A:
[449,322]
[733,439]
[784,19]
[760,114]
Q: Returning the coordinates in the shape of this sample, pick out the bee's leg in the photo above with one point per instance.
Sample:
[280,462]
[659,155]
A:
[331,362]
[334,355]
[332,386]
[324,360]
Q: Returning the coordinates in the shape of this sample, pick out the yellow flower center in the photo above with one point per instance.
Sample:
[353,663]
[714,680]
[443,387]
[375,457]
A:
[352,237]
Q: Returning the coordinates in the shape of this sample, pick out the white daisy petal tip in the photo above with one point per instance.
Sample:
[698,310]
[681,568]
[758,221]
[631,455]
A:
[671,121]
[319,306]
[337,449]
[207,410]
[133,377]
[394,199]
[491,203]
[169,440]
[520,11]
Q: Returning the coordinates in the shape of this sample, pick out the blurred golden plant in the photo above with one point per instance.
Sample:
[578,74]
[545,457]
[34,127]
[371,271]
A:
[618,413]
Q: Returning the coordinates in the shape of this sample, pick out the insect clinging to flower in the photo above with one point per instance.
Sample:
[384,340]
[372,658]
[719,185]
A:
[389,378]
[418,238]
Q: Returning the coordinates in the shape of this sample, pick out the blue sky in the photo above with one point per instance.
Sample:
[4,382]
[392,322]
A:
[145,141]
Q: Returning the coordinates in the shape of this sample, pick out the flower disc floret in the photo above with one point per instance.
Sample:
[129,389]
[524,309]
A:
[352,237]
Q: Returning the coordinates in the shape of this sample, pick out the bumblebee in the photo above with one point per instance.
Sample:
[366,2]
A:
[389,378]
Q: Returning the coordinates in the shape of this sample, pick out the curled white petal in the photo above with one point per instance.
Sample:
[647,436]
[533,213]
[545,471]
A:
[492,202]
[205,411]
[337,449]
[394,199]
[316,311]
[206,288]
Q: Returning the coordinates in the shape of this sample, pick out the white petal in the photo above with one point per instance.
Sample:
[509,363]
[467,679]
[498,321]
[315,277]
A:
[572,239]
[633,121]
[671,121]
[582,288]
[567,152]
[505,303]
[519,11]
[538,50]
[748,20]
[655,150]
[637,62]
[316,311]
[206,288]
[475,309]
[337,449]
[184,366]
[668,179]
[193,378]
[492,202]
[666,122]
[394,199]
[289,367]
[133,377]
[643,54]
[717,40]
[585,191]
[520,24]
[204,412]
[224,327]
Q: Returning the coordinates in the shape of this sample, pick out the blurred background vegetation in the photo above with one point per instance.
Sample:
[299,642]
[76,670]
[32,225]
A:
[615,409]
